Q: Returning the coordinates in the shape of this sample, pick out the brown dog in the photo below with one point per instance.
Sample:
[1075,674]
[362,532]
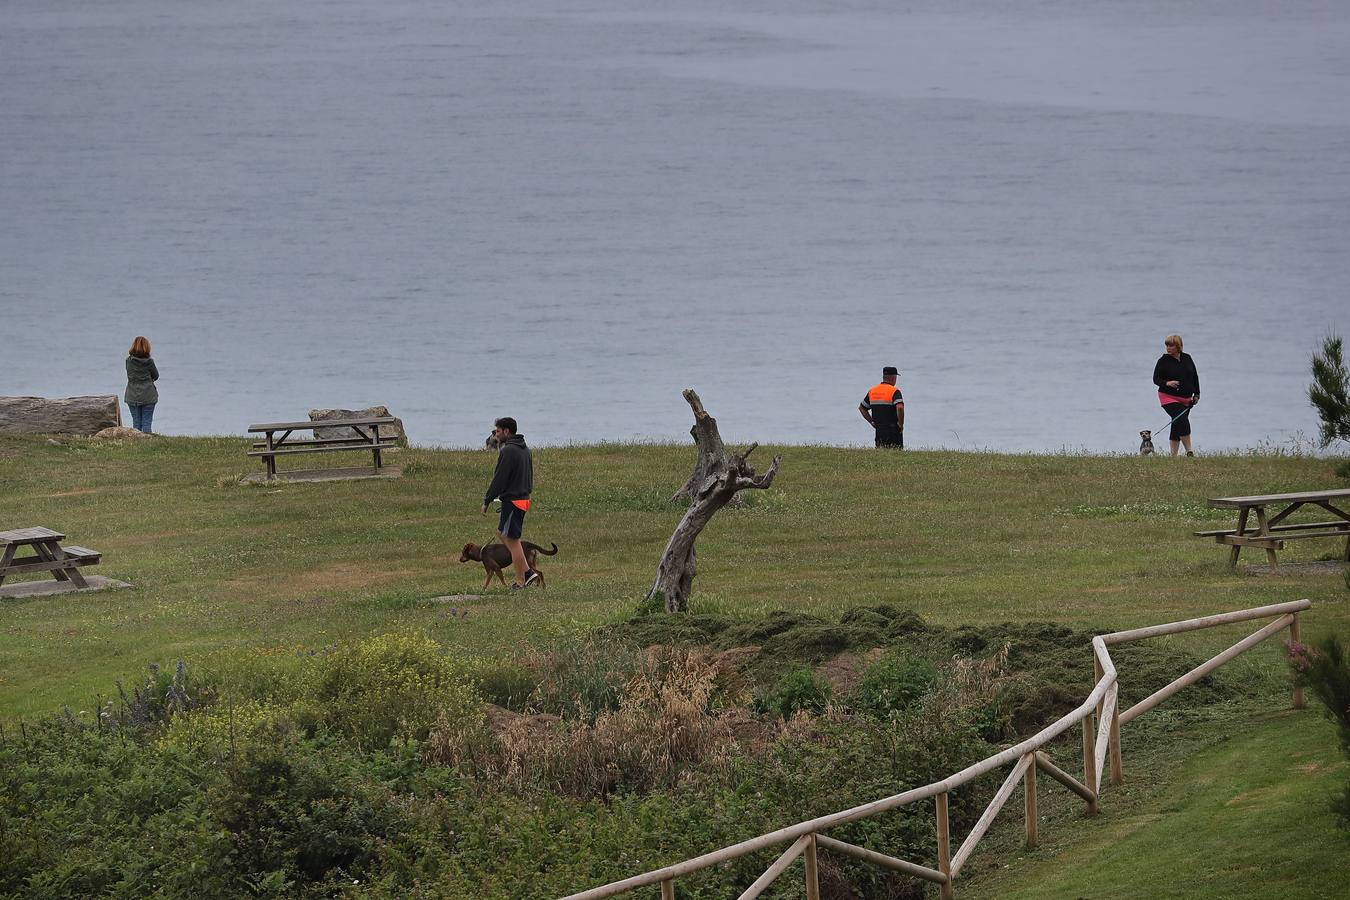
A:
[496,557]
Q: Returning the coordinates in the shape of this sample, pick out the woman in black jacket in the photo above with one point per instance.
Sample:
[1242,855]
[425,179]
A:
[1178,390]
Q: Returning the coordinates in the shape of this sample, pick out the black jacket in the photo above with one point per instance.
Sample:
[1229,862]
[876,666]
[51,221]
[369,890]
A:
[513,479]
[1180,369]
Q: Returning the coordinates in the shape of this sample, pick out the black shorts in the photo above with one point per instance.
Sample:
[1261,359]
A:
[1181,427]
[890,436]
[512,521]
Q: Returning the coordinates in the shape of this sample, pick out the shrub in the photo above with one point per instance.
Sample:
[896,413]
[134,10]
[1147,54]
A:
[1324,669]
[798,690]
[893,684]
[217,731]
[580,677]
[666,724]
[509,684]
[86,812]
[153,702]
[839,764]
[300,813]
[381,688]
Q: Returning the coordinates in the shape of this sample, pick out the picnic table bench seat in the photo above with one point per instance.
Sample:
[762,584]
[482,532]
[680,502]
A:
[306,448]
[1299,526]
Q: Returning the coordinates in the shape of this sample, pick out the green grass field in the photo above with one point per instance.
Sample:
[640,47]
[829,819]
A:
[1089,541]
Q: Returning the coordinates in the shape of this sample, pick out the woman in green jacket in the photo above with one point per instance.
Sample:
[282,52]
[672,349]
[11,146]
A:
[141,395]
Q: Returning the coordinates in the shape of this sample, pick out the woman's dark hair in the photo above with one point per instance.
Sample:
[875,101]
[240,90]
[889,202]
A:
[140,348]
[506,422]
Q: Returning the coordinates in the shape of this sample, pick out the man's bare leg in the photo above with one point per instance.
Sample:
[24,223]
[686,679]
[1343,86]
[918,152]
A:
[517,557]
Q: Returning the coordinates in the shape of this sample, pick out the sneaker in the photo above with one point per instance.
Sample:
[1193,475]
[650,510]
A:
[531,576]
[1188,453]
[518,587]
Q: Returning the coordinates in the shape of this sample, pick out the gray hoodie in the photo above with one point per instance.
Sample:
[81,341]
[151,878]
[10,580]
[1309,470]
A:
[141,378]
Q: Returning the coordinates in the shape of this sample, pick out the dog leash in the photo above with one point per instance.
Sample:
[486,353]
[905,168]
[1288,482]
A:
[1188,408]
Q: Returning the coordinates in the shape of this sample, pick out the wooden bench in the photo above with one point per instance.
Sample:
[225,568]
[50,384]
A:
[48,555]
[1272,532]
[277,440]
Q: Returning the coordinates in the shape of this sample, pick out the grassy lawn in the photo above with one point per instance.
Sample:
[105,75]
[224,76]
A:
[1244,818]
[1095,542]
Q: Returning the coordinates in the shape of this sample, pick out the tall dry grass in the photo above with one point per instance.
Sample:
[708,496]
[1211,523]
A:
[673,718]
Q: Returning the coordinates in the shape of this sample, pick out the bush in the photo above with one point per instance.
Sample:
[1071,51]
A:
[216,732]
[385,687]
[667,723]
[1324,669]
[153,703]
[300,813]
[86,812]
[797,691]
[509,684]
[580,677]
[893,684]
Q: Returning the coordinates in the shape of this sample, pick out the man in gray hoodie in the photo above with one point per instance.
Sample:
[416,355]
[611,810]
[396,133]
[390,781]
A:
[512,482]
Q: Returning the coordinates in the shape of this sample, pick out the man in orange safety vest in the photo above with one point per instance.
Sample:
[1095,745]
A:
[884,410]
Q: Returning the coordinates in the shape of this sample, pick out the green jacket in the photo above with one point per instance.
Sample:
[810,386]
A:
[141,378]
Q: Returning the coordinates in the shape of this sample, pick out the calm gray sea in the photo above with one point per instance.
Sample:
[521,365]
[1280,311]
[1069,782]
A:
[569,210]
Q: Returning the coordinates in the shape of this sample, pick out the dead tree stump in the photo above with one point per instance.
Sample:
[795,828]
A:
[717,476]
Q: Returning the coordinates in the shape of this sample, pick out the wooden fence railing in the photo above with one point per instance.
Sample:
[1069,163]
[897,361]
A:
[1101,719]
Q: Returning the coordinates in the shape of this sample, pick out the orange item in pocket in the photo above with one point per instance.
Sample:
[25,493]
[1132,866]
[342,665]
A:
[522,505]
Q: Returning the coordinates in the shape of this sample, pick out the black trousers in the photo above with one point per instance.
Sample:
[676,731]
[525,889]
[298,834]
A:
[890,436]
[1181,427]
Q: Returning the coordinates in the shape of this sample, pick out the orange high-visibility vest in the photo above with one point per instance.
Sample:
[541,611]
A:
[883,395]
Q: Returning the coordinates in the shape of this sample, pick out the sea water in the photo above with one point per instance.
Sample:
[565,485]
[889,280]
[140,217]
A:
[570,210]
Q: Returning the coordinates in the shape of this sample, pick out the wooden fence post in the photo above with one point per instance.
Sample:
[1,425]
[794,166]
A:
[1293,640]
[944,845]
[668,889]
[1029,792]
[812,873]
[1090,761]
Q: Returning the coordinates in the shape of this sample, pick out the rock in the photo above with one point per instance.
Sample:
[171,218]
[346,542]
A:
[68,415]
[119,432]
[387,432]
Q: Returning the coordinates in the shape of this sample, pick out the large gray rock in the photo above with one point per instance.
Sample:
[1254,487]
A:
[66,415]
[387,432]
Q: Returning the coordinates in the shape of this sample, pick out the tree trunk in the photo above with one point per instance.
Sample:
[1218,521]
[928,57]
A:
[70,415]
[717,477]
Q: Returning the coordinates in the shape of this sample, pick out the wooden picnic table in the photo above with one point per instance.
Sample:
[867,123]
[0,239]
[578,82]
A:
[1271,532]
[48,555]
[277,438]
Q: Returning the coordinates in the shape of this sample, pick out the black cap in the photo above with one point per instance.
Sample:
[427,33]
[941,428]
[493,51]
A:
[889,370]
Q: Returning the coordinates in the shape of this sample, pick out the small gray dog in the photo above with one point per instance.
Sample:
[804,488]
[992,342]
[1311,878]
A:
[1146,444]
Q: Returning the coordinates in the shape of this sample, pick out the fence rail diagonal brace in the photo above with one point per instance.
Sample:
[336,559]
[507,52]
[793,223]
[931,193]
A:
[1044,763]
[779,866]
[990,812]
[1103,744]
[881,859]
